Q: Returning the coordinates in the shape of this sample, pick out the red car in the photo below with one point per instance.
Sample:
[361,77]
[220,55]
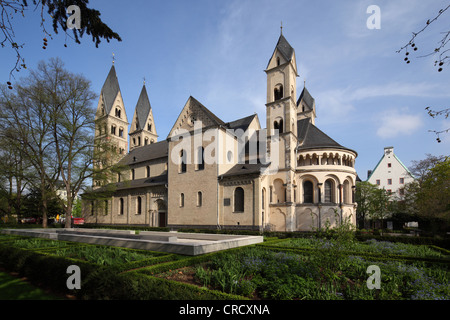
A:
[78,220]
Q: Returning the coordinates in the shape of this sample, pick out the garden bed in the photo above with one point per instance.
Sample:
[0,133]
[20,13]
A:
[279,269]
[258,273]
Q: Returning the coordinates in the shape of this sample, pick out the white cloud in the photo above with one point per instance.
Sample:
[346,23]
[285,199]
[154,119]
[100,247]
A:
[337,104]
[395,123]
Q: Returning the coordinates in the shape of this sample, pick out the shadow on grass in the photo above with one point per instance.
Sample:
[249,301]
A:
[13,288]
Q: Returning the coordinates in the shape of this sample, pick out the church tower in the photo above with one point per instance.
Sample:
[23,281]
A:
[142,131]
[281,118]
[281,106]
[111,124]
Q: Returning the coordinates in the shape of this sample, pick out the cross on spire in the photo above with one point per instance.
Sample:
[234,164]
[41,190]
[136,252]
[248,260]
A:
[113,58]
[281,28]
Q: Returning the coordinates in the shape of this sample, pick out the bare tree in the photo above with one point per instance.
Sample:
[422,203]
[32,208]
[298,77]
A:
[25,121]
[50,116]
[441,51]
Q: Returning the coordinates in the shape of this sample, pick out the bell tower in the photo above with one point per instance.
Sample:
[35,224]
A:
[282,88]
[143,130]
[281,106]
[111,124]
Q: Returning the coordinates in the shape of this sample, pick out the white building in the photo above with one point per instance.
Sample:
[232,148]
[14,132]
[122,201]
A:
[390,173]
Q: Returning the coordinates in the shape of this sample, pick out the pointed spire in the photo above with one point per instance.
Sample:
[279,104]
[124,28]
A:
[110,89]
[143,108]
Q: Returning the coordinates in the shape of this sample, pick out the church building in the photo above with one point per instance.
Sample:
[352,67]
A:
[211,173]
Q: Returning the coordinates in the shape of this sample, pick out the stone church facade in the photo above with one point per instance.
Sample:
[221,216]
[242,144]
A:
[208,173]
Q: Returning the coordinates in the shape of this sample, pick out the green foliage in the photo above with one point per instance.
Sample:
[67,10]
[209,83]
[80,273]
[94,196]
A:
[296,268]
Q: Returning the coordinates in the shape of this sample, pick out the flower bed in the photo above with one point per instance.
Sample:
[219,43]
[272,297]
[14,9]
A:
[264,274]
[368,246]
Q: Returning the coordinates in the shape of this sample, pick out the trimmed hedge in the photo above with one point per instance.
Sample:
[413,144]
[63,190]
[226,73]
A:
[368,255]
[108,285]
[41,269]
[105,283]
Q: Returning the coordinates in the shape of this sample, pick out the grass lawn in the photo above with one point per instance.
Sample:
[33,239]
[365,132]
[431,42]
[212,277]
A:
[13,288]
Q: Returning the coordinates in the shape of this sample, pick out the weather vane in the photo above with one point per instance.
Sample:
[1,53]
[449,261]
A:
[113,58]
[281,27]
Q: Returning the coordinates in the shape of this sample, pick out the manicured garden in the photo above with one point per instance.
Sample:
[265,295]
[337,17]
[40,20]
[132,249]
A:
[306,268]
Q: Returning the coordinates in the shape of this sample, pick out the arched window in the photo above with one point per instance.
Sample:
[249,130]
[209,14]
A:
[278,125]
[239,200]
[148,171]
[139,141]
[278,92]
[182,200]
[106,207]
[132,174]
[139,205]
[121,132]
[329,194]
[200,158]
[146,141]
[121,206]
[308,192]
[113,130]
[199,199]
[182,161]
[278,61]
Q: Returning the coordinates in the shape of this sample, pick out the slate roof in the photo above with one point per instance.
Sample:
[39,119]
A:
[143,108]
[151,151]
[284,48]
[142,183]
[207,111]
[110,89]
[307,98]
[310,136]
[244,168]
[242,123]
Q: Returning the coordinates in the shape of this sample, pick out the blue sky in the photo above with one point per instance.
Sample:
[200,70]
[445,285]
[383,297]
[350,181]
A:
[367,97]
